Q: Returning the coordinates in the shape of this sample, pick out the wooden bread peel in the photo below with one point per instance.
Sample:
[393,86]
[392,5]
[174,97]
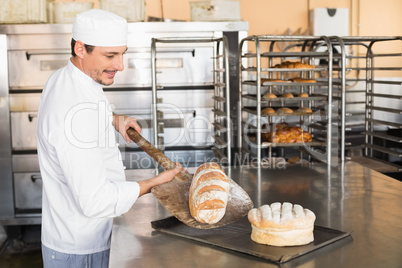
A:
[174,195]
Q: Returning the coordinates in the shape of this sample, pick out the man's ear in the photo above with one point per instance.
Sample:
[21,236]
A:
[79,49]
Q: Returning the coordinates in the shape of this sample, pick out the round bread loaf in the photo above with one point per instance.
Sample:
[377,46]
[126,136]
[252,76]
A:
[282,224]
[267,110]
[269,96]
[209,193]
[287,95]
[285,110]
[303,95]
[293,64]
[304,110]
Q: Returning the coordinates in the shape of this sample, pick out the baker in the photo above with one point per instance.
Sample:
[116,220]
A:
[84,183]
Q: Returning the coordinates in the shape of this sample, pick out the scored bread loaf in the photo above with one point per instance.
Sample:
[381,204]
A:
[209,193]
[282,224]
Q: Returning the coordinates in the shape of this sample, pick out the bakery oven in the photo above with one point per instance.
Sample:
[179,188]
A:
[31,53]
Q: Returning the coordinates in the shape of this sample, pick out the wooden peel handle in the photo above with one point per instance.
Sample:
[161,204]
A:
[156,154]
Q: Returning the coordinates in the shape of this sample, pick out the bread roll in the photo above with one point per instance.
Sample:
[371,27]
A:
[209,193]
[303,95]
[294,64]
[282,225]
[285,110]
[269,96]
[306,137]
[287,95]
[304,110]
[281,125]
[293,159]
[267,110]
[286,134]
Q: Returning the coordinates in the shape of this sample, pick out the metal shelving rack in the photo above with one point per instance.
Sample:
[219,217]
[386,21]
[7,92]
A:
[260,64]
[221,98]
[382,126]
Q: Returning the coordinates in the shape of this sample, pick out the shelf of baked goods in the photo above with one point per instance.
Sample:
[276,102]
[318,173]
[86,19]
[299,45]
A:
[277,69]
[283,54]
[287,66]
[265,82]
[284,135]
[270,97]
[289,84]
[280,111]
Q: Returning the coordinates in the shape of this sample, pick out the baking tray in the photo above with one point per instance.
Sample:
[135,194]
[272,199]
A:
[236,237]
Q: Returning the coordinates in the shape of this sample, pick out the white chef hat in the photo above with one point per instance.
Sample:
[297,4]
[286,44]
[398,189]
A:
[98,27]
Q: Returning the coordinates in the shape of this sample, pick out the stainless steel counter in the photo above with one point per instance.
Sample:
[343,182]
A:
[350,198]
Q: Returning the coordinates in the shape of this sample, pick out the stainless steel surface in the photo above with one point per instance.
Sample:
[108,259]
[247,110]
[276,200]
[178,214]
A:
[27,191]
[349,198]
[6,181]
[370,90]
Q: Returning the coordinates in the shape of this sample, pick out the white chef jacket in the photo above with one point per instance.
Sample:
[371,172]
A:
[84,184]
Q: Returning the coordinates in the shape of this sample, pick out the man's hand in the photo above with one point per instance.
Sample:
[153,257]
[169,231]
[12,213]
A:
[165,176]
[123,122]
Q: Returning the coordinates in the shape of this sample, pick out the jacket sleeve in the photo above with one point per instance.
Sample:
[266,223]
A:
[93,170]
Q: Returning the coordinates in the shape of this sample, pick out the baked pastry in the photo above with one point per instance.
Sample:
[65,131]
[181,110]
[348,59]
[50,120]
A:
[287,95]
[293,65]
[286,134]
[305,137]
[304,110]
[300,65]
[303,95]
[303,80]
[293,159]
[281,125]
[269,96]
[267,110]
[285,110]
[282,224]
[209,193]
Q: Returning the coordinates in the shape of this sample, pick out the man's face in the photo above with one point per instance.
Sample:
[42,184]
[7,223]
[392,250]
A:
[103,63]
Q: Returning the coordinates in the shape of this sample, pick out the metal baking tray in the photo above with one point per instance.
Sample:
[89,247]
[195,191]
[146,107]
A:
[236,237]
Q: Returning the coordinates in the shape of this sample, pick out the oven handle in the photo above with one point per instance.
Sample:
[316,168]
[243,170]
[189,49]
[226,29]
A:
[191,51]
[35,177]
[28,54]
[166,50]
[31,117]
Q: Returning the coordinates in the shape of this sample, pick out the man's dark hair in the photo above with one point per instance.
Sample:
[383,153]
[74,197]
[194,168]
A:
[88,48]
